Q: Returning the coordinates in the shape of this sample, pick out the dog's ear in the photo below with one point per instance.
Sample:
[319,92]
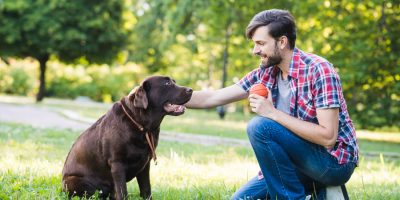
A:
[139,97]
[131,95]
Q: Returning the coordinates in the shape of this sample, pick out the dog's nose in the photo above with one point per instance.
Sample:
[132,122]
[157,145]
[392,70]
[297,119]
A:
[189,90]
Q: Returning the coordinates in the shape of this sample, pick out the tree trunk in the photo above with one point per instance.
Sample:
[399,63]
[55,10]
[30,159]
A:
[42,87]
[226,54]
[221,109]
[5,60]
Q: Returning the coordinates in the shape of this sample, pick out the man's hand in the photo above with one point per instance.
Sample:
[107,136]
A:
[261,105]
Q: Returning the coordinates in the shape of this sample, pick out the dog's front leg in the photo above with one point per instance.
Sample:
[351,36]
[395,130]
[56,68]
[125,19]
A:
[119,179]
[143,179]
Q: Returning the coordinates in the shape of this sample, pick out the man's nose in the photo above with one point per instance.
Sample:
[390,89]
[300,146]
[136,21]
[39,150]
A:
[256,50]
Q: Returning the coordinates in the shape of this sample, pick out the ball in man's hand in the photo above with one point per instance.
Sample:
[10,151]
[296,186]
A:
[259,89]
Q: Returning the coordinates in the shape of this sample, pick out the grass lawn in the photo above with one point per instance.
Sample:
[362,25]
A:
[32,159]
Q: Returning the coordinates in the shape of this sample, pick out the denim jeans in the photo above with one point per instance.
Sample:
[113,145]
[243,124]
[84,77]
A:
[292,167]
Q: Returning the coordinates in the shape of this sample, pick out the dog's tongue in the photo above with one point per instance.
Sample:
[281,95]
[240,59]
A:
[174,108]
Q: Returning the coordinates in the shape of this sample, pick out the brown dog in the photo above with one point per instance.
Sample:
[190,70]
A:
[120,145]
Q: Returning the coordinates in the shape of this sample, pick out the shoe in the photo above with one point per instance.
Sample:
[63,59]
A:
[337,193]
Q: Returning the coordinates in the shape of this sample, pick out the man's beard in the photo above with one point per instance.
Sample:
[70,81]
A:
[274,59]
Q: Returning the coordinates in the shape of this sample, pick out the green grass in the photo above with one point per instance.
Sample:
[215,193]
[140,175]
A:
[374,146]
[31,159]
[207,122]
[31,162]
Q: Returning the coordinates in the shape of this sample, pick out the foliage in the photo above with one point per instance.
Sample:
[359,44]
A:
[363,43]
[99,82]
[192,36]
[359,38]
[15,80]
[70,31]
[193,41]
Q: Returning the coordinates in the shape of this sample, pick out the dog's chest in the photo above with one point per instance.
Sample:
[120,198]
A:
[135,162]
[137,155]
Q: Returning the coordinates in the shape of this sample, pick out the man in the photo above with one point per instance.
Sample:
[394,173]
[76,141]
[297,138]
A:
[303,137]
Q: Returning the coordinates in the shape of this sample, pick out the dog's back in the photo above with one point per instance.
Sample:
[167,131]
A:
[84,168]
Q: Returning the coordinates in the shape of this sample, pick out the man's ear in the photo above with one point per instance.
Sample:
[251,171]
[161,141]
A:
[140,98]
[283,42]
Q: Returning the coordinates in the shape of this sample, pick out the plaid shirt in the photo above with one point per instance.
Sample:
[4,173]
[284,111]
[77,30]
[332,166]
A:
[314,84]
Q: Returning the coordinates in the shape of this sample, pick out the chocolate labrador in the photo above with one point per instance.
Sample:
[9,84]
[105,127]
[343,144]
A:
[119,146]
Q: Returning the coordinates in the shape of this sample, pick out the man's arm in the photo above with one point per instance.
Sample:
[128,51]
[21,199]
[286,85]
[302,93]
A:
[213,98]
[325,133]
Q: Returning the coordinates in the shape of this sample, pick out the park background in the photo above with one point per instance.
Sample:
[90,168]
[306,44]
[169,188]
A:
[59,49]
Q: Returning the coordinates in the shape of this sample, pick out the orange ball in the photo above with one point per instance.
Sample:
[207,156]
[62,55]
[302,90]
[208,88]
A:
[259,89]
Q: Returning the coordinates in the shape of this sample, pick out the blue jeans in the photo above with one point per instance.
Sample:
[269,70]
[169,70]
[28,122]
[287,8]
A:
[292,167]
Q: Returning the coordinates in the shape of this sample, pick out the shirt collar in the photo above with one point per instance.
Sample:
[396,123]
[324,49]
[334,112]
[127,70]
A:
[295,63]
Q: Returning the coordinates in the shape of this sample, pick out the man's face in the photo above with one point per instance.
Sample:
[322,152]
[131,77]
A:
[266,47]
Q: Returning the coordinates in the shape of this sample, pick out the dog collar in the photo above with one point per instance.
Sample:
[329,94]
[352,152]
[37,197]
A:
[149,136]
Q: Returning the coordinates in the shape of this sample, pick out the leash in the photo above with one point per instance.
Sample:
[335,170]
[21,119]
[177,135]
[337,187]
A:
[149,136]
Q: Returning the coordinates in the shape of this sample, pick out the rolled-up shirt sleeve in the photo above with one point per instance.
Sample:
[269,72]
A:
[326,86]
[247,81]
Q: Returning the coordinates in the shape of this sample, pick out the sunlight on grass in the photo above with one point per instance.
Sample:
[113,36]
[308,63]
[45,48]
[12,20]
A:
[31,164]
[174,168]
[206,123]
[31,161]
[228,124]
[384,137]
[375,179]
[28,156]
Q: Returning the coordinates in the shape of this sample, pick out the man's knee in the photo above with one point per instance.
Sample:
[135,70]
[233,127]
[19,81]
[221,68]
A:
[259,127]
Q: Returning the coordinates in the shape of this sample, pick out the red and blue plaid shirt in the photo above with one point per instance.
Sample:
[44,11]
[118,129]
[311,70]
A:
[314,84]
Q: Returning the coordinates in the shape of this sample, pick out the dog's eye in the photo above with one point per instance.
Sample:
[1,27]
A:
[168,83]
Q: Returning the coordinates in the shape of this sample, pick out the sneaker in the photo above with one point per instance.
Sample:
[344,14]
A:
[336,193]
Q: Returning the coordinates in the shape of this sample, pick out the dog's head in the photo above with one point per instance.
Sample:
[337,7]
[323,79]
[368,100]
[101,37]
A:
[161,93]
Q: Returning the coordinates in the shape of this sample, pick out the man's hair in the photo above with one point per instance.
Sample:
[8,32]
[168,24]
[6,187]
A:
[279,22]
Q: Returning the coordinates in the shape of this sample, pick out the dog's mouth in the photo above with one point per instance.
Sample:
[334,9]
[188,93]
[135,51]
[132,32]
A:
[174,109]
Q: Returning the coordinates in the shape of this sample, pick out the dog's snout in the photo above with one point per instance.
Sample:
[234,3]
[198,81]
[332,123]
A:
[189,90]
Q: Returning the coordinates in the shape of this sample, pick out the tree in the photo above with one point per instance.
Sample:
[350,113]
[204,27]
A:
[171,33]
[69,31]
[198,37]
[360,38]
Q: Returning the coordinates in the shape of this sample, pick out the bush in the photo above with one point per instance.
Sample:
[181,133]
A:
[15,80]
[99,82]
[5,79]
[22,82]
